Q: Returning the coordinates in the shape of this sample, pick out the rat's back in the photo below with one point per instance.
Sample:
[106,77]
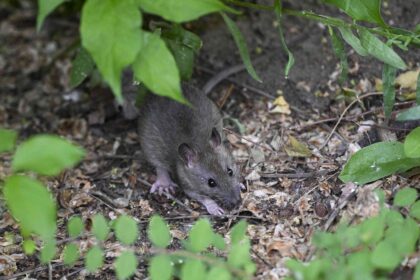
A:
[165,124]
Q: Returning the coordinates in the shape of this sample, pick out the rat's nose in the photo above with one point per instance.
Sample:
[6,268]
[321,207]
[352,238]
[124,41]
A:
[234,201]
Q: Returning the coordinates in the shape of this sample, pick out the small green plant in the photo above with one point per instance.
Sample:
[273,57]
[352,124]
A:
[383,159]
[28,200]
[370,250]
[32,205]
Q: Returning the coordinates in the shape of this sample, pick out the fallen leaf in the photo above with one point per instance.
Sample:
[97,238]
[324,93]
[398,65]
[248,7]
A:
[294,148]
[408,79]
[281,106]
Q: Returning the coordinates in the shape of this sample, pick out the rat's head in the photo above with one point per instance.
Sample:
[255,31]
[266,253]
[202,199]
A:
[210,172]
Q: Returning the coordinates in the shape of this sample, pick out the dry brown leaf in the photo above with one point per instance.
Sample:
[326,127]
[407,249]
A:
[281,106]
[294,148]
[408,79]
[283,247]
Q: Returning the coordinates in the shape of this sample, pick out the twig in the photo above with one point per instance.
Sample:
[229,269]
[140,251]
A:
[30,271]
[296,175]
[344,112]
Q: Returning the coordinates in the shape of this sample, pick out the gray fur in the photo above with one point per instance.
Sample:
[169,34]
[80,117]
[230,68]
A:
[165,124]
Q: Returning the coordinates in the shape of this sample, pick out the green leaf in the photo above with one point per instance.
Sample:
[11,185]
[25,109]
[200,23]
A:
[29,246]
[160,268]
[75,226]
[361,9]
[385,257]
[126,229]
[100,227]
[415,210]
[405,197]
[352,40]
[403,241]
[201,235]
[372,230]
[193,269]
[110,31]
[238,232]
[394,217]
[219,241]
[219,273]
[45,7]
[94,259]
[338,48]
[48,250]
[187,10]
[7,139]
[71,254]
[388,78]
[379,50]
[291,58]
[377,161]
[126,265]
[416,275]
[31,205]
[183,45]
[46,155]
[418,90]
[411,114]
[156,68]
[158,232]
[242,47]
[239,254]
[82,67]
[412,144]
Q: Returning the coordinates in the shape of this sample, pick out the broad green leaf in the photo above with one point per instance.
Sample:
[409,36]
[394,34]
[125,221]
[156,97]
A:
[181,11]
[411,114]
[158,232]
[71,254]
[201,235]
[219,273]
[45,7]
[377,161]
[48,250]
[405,197]
[388,78]
[338,48]
[394,217]
[160,268]
[379,50]
[126,229]
[183,45]
[46,155]
[412,144]
[416,275]
[352,40]
[403,241]
[156,68]
[29,246]
[82,67]
[7,139]
[359,264]
[31,205]
[385,257]
[372,230]
[75,226]
[193,269]
[242,47]
[415,210]
[94,259]
[100,227]
[110,31]
[361,9]
[238,232]
[291,58]
[239,254]
[126,265]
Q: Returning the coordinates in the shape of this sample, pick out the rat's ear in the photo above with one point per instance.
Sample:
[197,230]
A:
[215,138]
[187,154]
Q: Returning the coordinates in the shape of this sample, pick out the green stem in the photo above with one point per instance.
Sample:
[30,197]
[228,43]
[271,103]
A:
[404,36]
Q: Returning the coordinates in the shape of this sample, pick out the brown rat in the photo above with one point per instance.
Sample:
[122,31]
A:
[185,143]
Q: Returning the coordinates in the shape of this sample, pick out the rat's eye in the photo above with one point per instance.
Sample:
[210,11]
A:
[230,172]
[212,183]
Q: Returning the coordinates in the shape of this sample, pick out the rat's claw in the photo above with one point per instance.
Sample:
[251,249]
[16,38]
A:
[213,208]
[163,189]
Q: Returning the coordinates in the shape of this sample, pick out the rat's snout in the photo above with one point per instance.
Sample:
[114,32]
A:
[234,200]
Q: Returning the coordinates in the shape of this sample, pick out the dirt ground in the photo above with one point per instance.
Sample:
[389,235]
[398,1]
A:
[288,197]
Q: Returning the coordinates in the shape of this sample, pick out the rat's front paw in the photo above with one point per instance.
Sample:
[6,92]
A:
[213,208]
[167,189]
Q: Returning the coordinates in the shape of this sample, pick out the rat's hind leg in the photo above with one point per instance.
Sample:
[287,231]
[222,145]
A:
[163,183]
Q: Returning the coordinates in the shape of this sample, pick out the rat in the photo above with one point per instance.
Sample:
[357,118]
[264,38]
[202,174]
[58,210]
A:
[185,144]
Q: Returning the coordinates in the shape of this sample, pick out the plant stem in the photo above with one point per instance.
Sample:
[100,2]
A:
[251,5]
